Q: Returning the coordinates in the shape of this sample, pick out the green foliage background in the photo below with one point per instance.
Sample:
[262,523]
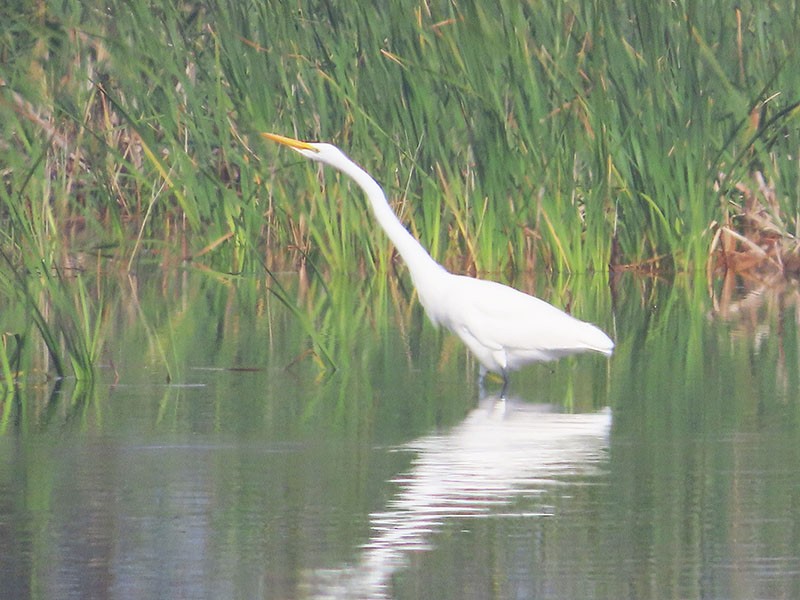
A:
[510,136]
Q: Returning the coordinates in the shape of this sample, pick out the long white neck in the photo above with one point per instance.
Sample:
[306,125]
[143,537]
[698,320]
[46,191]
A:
[420,264]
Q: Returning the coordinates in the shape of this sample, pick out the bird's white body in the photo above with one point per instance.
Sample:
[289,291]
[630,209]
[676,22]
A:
[506,329]
[503,327]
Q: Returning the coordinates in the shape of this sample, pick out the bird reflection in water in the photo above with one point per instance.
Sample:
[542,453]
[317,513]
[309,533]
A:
[502,450]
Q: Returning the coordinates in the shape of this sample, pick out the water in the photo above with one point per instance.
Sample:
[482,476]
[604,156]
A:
[216,458]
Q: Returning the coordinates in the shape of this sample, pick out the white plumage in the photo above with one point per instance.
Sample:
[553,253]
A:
[503,327]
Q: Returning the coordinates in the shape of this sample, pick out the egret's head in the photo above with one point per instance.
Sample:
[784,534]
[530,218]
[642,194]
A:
[325,153]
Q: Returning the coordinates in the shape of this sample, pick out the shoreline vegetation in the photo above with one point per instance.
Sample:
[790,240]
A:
[563,137]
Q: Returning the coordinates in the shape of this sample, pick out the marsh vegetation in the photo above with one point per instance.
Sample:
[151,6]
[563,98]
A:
[560,138]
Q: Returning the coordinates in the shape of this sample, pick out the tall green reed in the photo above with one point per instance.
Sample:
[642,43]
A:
[556,136]
[572,123]
[513,135]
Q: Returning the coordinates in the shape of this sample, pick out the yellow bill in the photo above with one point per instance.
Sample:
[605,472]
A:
[287,141]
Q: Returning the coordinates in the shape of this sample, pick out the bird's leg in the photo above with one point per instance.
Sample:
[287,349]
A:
[482,382]
[506,380]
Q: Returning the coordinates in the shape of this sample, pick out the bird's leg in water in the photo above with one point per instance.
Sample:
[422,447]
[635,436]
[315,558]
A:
[506,380]
[482,382]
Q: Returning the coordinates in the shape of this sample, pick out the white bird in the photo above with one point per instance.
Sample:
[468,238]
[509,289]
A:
[503,327]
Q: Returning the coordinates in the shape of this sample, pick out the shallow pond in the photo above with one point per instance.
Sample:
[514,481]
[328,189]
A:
[217,457]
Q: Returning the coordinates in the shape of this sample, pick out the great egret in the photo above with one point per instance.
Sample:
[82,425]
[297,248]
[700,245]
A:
[503,327]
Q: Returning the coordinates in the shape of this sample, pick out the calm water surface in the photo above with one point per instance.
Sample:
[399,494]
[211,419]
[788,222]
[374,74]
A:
[669,471]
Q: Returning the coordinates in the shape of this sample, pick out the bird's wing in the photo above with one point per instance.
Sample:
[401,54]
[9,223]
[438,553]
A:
[502,317]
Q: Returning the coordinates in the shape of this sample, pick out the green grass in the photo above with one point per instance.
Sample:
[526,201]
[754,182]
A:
[555,136]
